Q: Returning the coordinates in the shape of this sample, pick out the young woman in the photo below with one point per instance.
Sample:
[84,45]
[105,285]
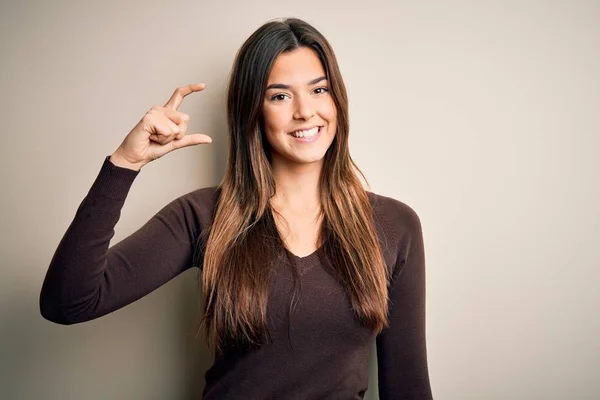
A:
[302,268]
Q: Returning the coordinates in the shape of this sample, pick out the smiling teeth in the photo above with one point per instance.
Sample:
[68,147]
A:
[308,133]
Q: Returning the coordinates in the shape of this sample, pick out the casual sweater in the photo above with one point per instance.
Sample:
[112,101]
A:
[319,351]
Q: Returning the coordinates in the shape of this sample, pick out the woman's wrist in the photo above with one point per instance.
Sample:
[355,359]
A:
[120,161]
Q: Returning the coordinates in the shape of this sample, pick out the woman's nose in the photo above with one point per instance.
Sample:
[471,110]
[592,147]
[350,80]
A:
[304,109]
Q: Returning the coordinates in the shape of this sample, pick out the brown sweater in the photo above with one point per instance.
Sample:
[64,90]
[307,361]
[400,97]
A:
[321,352]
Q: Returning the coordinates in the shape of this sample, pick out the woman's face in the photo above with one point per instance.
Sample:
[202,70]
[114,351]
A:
[298,109]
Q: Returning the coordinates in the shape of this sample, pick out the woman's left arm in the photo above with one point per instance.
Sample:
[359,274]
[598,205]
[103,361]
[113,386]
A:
[401,347]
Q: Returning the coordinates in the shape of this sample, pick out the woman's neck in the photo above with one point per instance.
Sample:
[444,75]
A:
[297,187]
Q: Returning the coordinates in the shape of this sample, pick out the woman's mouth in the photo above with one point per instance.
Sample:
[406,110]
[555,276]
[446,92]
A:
[308,135]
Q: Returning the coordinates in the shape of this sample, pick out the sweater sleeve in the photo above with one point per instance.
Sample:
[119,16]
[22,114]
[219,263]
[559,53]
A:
[401,347]
[86,279]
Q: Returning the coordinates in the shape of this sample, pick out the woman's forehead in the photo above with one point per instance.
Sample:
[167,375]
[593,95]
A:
[296,68]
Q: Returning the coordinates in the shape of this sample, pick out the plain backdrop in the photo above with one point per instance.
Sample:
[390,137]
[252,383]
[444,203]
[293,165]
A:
[483,116]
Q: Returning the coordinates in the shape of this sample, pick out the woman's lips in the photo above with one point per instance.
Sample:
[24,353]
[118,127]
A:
[308,139]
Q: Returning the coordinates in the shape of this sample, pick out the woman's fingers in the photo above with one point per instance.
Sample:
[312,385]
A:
[181,119]
[162,129]
[177,97]
[170,110]
[191,140]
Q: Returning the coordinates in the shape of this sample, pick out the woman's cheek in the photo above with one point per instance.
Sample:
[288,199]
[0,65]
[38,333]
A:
[329,108]
[275,119]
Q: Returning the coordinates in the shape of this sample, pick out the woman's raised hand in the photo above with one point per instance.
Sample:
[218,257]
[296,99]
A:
[159,132]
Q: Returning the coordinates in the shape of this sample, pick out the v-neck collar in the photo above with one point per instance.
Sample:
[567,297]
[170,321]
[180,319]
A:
[304,262]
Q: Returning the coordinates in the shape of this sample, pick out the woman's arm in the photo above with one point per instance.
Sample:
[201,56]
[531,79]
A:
[401,348]
[86,279]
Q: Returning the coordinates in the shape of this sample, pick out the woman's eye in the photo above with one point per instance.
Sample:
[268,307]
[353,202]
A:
[321,90]
[278,97]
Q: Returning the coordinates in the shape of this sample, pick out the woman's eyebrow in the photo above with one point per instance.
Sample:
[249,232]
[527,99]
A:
[283,86]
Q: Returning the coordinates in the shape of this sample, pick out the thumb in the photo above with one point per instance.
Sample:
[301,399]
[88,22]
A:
[191,140]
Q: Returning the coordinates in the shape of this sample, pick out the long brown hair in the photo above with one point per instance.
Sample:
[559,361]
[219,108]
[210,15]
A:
[238,250]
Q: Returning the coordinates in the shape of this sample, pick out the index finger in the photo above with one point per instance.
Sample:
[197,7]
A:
[177,97]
